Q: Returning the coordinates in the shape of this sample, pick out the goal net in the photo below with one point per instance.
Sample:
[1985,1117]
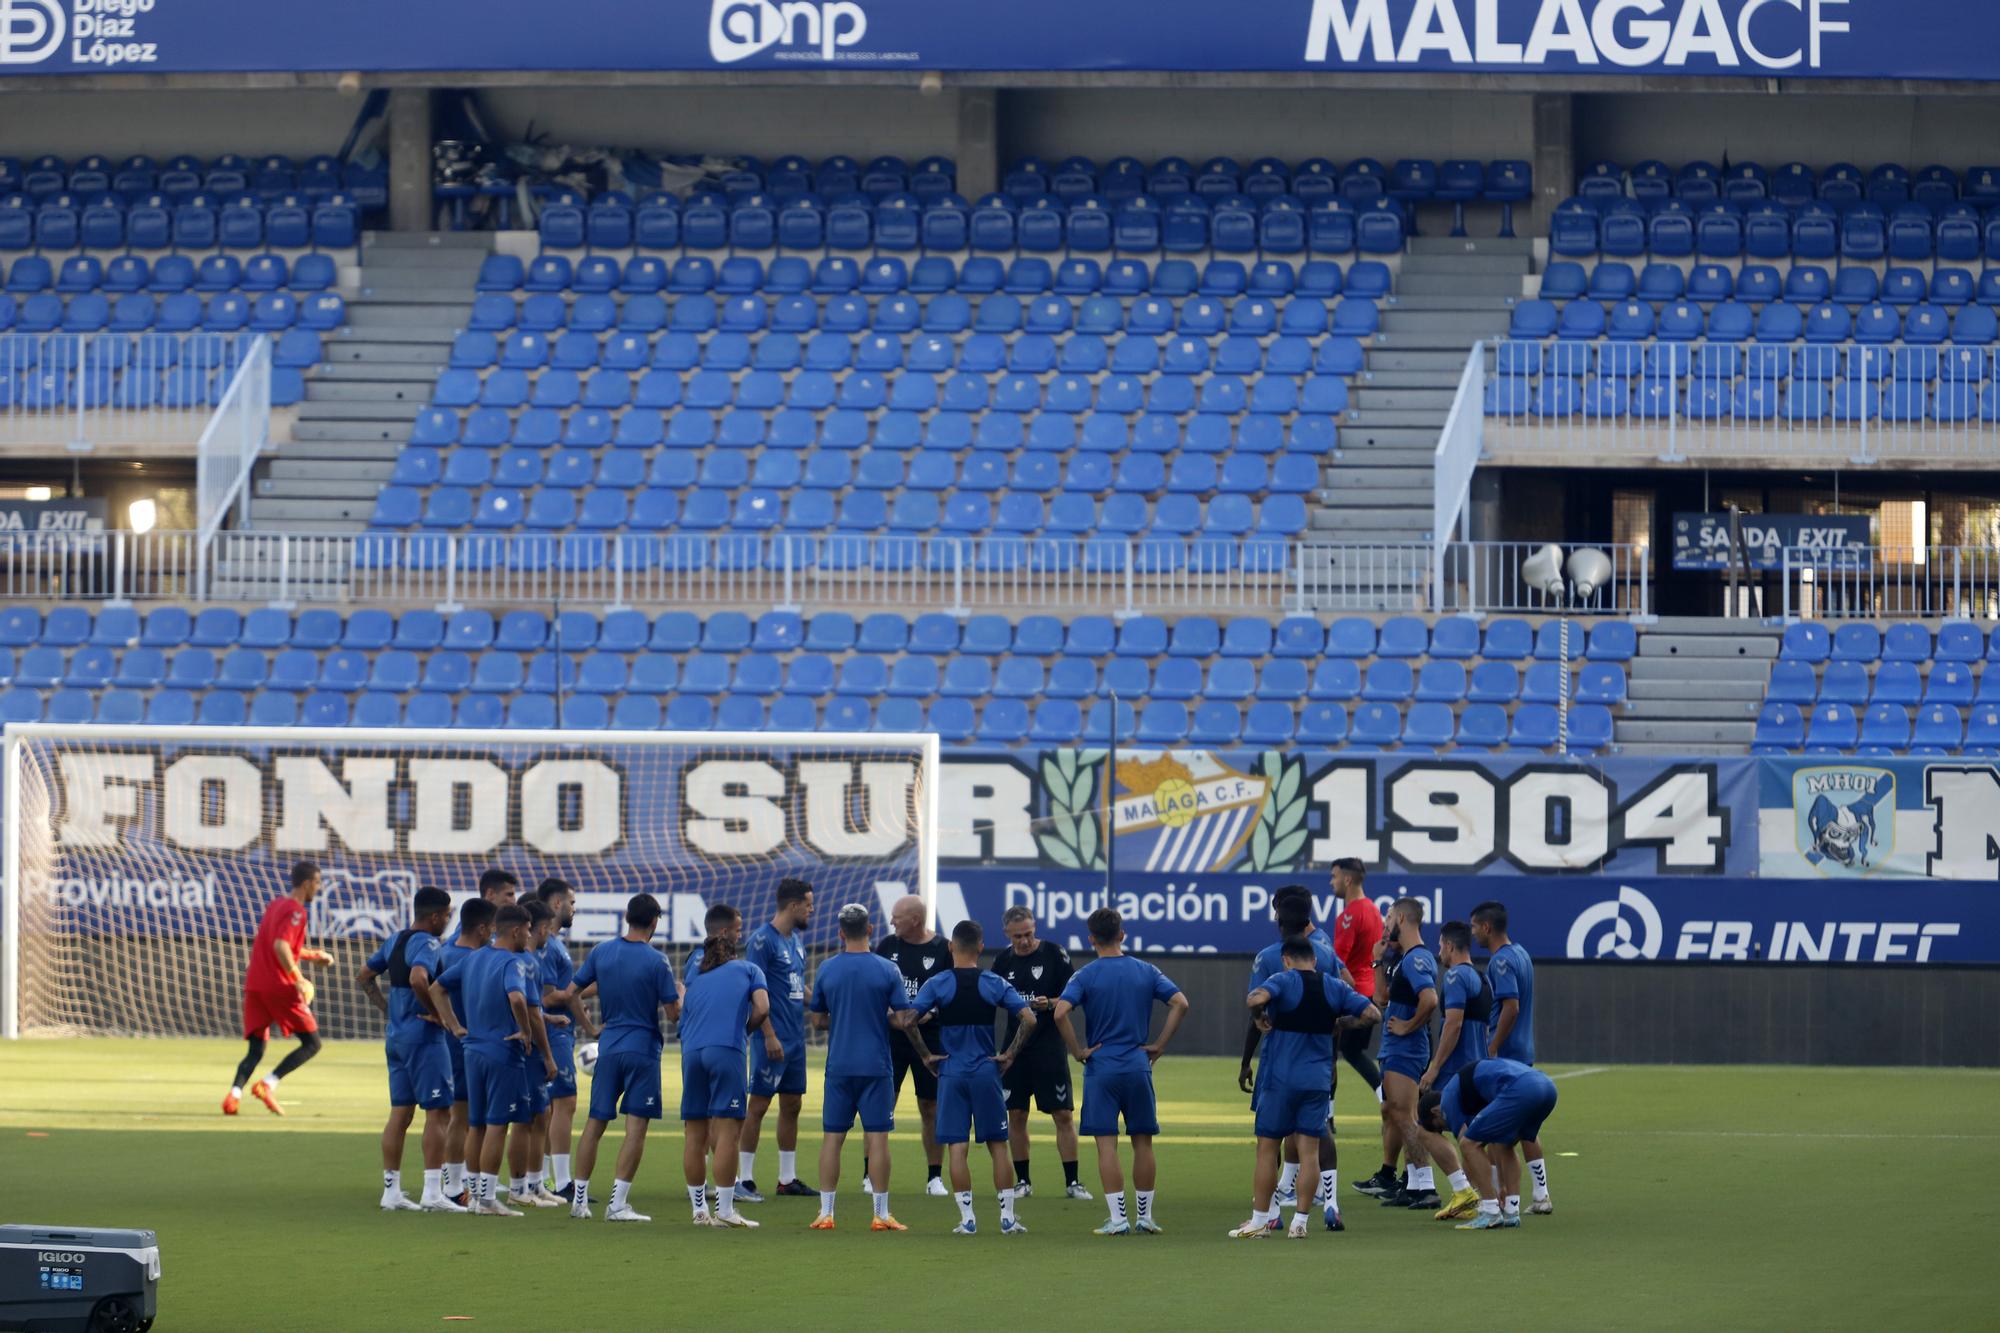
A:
[139,860]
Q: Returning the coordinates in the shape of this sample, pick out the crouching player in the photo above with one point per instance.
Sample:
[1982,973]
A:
[1491,1106]
[1304,1008]
[965,1001]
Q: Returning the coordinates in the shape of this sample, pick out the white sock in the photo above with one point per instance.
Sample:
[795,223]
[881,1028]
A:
[746,1166]
[826,1203]
[1378,1095]
[1491,1207]
[698,1196]
[1329,1189]
[271,1082]
[236,1092]
[619,1189]
[1459,1182]
[1117,1202]
[788,1167]
[1260,1217]
[1007,1202]
[454,1177]
[1540,1170]
[517,1185]
[580,1203]
[1145,1205]
[1288,1179]
[1421,1179]
[881,1198]
[433,1184]
[1513,1203]
[725,1201]
[392,1182]
[964,1198]
[560,1162]
[486,1186]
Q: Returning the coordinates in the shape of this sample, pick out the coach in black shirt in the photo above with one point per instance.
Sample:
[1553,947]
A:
[919,953]
[1039,970]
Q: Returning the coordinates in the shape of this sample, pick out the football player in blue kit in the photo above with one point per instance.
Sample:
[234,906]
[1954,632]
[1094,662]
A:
[966,1001]
[1491,1105]
[1304,1007]
[475,928]
[778,949]
[1406,1045]
[419,1066]
[559,1001]
[1512,1036]
[1467,1004]
[724,1001]
[857,995]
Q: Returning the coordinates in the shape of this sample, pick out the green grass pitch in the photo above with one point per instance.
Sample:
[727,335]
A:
[1736,1198]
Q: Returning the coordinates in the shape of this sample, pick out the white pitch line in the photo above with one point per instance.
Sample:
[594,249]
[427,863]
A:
[1580,1073]
[1781,1134]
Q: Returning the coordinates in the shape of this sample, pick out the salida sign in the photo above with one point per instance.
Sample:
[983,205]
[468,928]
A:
[1825,541]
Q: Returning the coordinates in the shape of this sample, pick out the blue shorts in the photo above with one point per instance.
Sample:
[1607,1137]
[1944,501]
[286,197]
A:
[1283,1110]
[454,1050]
[537,1087]
[871,1096]
[1516,1115]
[626,1083]
[1410,1064]
[712,1083]
[496,1091]
[768,1079]
[420,1075]
[1108,1096]
[562,1045]
[964,1103]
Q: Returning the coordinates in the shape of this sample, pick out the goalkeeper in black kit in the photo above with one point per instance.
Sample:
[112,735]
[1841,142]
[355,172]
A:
[1038,969]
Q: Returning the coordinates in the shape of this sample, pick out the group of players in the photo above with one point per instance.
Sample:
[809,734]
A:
[483,1033]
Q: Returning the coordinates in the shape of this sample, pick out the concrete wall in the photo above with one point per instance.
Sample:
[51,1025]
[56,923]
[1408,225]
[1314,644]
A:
[207,123]
[767,122]
[1291,123]
[1957,131]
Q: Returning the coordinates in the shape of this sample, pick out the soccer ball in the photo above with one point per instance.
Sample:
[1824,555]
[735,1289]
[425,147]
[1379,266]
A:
[586,1057]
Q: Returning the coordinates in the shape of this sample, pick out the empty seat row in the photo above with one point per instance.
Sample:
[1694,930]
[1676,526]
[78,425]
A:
[1862,235]
[200,222]
[1895,682]
[171,273]
[884,275]
[1881,729]
[1454,638]
[1759,284]
[1925,323]
[1757,361]
[1906,641]
[1910,401]
[271,175]
[1794,183]
[135,312]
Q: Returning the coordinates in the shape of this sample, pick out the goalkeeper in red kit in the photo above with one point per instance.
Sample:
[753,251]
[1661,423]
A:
[276,993]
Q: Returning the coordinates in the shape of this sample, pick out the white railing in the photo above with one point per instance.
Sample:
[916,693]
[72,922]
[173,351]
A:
[1913,582]
[1115,576]
[1458,451]
[234,437]
[79,391]
[1482,577]
[1597,402]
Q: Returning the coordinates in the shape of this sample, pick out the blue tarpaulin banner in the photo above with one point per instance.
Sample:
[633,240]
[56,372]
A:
[1852,820]
[1867,39]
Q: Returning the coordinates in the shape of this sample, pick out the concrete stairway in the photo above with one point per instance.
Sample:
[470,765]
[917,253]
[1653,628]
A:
[415,295]
[1378,486]
[1696,686]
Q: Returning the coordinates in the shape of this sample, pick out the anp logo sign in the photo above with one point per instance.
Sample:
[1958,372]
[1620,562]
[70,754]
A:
[30,31]
[739,29]
[1607,929]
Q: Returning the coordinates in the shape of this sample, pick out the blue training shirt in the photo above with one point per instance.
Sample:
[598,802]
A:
[479,988]
[856,991]
[409,1021]
[1415,972]
[1512,973]
[1117,996]
[1304,1059]
[558,970]
[968,1048]
[782,959]
[1270,959]
[633,980]
[1490,1078]
[1465,991]
[716,1005]
[452,955]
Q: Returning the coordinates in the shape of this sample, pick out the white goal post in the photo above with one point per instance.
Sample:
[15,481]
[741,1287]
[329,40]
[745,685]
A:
[137,860]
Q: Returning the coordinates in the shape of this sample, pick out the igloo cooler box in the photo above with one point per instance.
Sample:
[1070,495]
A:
[78,1279]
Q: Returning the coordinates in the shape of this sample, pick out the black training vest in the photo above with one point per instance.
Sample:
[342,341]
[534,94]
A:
[1469,1100]
[966,1008]
[1479,1008]
[1400,990]
[399,970]
[1312,1014]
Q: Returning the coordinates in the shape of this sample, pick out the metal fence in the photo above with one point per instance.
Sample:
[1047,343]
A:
[77,391]
[586,570]
[1914,582]
[1632,401]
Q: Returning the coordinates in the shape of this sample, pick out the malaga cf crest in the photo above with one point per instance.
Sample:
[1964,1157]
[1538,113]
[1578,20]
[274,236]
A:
[1845,817]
